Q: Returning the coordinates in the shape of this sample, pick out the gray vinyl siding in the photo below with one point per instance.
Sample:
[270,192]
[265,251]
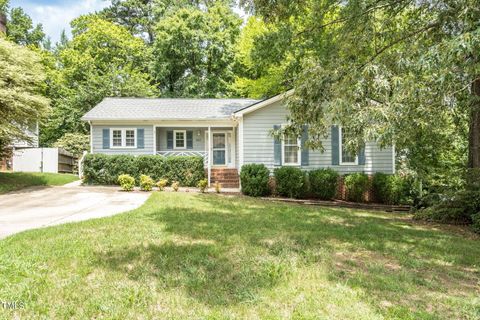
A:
[198,140]
[97,143]
[258,145]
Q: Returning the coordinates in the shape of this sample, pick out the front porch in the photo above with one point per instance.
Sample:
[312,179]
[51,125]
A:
[216,145]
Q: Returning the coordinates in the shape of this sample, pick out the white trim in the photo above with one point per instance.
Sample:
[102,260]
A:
[91,136]
[123,135]
[154,140]
[240,144]
[393,159]
[175,139]
[209,169]
[340,151]
[299,154]
[263,103]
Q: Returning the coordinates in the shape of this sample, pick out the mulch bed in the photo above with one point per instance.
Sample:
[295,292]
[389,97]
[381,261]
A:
[345,204]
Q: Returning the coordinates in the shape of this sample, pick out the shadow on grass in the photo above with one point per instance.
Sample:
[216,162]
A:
[224,250]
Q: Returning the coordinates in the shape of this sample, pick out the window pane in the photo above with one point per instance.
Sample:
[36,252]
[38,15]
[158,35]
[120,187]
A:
[180,139]
[290,140]
[346,155]
[219,140]
[291,154]
[130,138]
[117,138]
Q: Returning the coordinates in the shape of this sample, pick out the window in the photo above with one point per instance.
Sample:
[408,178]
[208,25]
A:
[116,138]
[179,139]
[347,157]
[130,138]
[123,138]
[291,151]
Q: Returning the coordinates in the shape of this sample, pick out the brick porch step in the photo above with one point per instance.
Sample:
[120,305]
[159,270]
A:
[227,177]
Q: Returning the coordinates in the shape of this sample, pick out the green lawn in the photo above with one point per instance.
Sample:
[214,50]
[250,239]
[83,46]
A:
[18,180]
[195,256]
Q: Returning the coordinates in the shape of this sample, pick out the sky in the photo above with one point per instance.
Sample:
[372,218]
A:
[55,15]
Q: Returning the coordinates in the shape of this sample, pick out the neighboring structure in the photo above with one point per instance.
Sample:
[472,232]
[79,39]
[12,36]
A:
[227,133]
[6,163]
[53,160]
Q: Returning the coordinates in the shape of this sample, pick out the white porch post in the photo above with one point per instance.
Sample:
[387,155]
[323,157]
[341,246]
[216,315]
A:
[209,155]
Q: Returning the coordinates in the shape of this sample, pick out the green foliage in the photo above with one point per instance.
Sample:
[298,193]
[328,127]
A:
[22,86]
[126,181]
[11,181]
[102,60]
[104,169]
[254,180]
[75,143]
[391,189]
[161,184]
[454,208]
[356,184]
[194,50]
[290,182]
[202,185]
[20,29]
[476,222]
[146,183]
[323,183]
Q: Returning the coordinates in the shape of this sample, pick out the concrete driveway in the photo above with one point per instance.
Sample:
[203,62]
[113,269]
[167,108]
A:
[45,206]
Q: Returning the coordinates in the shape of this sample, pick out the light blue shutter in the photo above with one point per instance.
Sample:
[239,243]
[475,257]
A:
[106,138]
[335,146]
[140,138]
[277,148]
[169,139]
[189,139]
[305,152]
[361,156]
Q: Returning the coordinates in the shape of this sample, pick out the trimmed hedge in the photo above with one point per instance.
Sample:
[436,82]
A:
[323,183]
[105,169]
[391,189]
[356,184]
[254,180]
[291,182]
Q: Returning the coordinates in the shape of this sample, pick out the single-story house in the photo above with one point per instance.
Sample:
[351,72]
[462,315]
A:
[227,133]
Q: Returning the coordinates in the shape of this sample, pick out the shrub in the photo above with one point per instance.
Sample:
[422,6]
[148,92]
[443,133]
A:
[218,187]
[254,180]
[127,182]
[323,183]
[104,169]
[146,183]
[175,186]
[202,185]
[457,208]
[476,222]
[161,184]
[356,184]
[391,189]
[290,182]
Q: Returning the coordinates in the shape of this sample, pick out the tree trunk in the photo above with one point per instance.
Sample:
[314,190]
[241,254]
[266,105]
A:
[474,131]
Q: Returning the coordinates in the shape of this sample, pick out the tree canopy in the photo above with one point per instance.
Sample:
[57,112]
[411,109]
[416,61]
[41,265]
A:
[22,92]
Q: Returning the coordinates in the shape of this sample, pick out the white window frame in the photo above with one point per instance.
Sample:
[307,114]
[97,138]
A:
[299,155]
[340,147]
[184,139]
[124,138]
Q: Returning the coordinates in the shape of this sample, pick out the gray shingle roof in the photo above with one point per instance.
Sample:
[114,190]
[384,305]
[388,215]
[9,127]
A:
[165,109]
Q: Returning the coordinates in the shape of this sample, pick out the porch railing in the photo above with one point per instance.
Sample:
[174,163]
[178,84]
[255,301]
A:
[203,154]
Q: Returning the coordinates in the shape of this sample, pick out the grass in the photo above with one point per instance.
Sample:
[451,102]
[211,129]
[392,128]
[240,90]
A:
[204,256]
[19,180]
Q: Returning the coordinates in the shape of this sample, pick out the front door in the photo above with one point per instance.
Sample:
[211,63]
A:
[219,146]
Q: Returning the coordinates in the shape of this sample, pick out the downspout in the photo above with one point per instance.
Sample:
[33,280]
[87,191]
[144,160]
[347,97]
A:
[91,136]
